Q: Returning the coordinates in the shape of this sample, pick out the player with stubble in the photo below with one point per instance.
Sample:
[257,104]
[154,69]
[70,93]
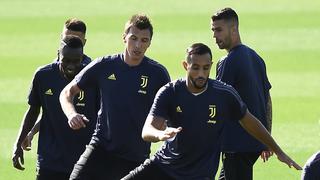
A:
[127,83]
[245,71]
[195,110]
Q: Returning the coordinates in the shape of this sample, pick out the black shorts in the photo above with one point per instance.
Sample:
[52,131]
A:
[46,174]
[147,171]
[97,164]
[238,166]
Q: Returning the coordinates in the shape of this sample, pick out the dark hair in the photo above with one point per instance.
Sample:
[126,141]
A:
[139,21]
[75,24]
[227,14]
[71,41]
[198,48]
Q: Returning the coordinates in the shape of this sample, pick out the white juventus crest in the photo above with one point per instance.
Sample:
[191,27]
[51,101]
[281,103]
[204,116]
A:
[144,82]
[212,111]
[212,114]
[81,95]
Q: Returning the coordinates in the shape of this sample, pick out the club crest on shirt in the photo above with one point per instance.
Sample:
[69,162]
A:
[81,99]
[144,82]
[212,114]
[143,85]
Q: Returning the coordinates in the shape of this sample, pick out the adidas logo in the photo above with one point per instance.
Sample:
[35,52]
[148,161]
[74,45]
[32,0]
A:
[178,109]
[112,77]
[49,92]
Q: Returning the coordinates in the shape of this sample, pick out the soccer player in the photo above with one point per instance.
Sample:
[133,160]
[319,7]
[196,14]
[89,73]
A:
[76,27]
[311,170]
[72,26]
[196,110]
[245,71]
[59,146]
[127,83]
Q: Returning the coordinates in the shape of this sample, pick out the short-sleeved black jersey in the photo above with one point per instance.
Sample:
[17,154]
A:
[194,152]
[245,71]
[127,93]
[59,146]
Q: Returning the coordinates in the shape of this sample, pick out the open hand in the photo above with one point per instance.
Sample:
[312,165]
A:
[168,133]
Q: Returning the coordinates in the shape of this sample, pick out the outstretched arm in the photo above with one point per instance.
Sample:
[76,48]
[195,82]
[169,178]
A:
[26,143]
[155,130]
[75,120]
[28,121]
[257,130]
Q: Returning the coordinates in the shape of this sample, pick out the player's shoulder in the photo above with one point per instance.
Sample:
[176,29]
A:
[239,52]
[223,89]
[218,84]
[176,85]
[315,158]
[178,82]
[46,71]
[241,57]
[221,86]
[108,58]
[47,68]
[86,60]
[154,64]
[170,88]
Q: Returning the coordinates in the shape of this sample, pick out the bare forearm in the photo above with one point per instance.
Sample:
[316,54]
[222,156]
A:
[150,133]
[66,99]
[257,130]
[28,122]
[155,129]
[35,129]
[269,114]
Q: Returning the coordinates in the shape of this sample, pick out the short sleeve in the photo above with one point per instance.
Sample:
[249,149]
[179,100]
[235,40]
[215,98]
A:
[88,76]
[267,83]
[34,92]
[226,71]
[238,107]
[161,103]
[165,76]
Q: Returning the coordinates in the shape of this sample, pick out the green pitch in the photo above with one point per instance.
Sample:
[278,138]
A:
[285,33]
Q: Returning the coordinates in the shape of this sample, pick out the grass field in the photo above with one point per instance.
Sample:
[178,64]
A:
[283,32]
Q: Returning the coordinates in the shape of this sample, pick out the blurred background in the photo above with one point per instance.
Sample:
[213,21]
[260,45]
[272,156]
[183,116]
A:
[285,33]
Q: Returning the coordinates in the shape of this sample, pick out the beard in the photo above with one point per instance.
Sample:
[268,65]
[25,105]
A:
[197,84]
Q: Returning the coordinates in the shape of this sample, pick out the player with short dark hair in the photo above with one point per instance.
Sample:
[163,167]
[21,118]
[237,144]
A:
[245,71]
[72,26]
[311,170]
[76,27]
[195,109]
[141,22]
[59,146]
[128,83]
